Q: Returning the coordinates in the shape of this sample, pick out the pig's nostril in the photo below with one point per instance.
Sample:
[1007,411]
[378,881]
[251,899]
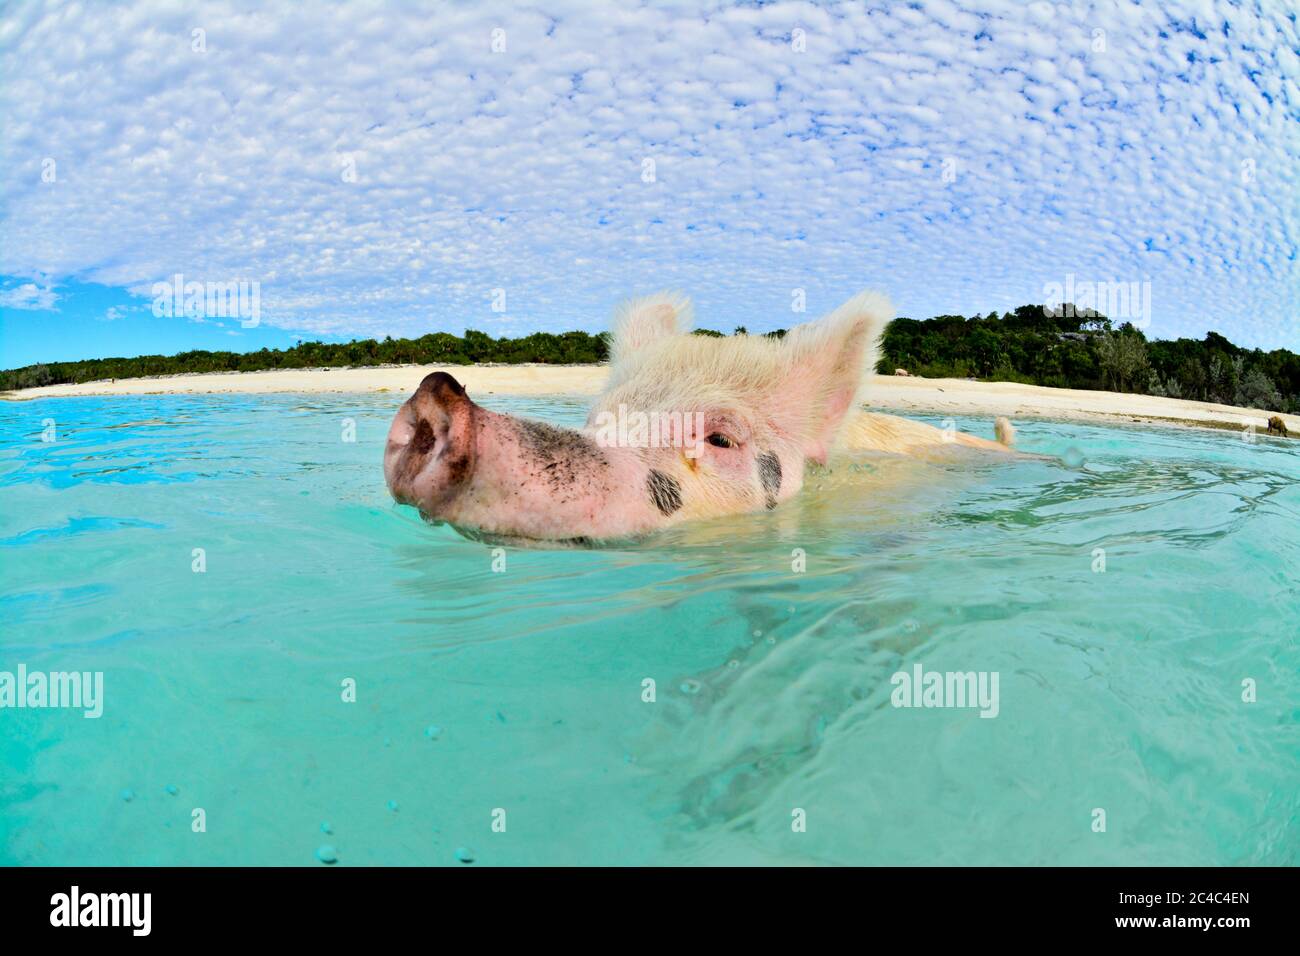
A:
[424,440]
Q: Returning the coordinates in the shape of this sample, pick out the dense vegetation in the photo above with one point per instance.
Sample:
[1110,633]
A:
[1028,345]
[567,348]
[1035,346]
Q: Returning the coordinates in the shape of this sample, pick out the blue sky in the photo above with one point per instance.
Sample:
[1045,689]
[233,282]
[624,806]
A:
[398,169]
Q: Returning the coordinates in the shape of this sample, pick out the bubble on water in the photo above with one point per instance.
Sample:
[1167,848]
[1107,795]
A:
[1073,458]
[433,731]
[465,854]
[691,686]
[770,639]
[326,828]
[758,632]
[327,854]
[128,795]
[733,663]
[392,805]
[171,789]
[910,626]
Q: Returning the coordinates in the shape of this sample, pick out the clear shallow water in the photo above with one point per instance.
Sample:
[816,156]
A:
[1119,690]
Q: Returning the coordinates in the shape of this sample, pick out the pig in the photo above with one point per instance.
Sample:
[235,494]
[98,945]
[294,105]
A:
[739,420]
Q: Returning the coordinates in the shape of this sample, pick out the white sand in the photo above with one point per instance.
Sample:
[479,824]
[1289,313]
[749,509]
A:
[958,396]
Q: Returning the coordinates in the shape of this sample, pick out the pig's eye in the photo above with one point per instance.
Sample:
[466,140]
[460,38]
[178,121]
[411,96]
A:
[718,440]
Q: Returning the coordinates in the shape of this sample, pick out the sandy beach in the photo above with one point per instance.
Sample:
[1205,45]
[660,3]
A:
[903,394]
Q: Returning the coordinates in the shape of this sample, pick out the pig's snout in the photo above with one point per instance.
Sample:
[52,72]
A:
[430,455]
[489,473]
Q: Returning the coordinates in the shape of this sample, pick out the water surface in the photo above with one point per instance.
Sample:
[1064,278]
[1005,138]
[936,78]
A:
[771,640]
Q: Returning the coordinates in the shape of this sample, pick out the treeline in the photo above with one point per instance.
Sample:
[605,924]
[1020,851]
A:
[1031,345]
[1041,347]
[440,348]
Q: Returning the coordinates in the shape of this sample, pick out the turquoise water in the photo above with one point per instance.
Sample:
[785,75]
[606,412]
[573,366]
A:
[521,690]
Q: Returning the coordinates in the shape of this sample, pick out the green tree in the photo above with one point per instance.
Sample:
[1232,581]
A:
[1123,359]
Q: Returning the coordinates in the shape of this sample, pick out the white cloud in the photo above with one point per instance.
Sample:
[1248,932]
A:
[29,296]
[1168,154]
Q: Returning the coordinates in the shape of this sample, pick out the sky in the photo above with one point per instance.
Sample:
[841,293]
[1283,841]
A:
[370,169]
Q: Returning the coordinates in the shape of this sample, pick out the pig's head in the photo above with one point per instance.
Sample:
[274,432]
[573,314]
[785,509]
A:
[689,426]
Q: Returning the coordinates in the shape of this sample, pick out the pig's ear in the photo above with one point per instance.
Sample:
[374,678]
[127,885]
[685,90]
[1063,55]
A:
[829,361]
[639,322]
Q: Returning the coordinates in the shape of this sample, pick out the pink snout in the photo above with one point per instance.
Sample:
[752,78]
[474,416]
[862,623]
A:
[488,473]
[431,446]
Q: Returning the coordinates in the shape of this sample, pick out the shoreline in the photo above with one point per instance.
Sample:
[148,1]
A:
[896,393]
